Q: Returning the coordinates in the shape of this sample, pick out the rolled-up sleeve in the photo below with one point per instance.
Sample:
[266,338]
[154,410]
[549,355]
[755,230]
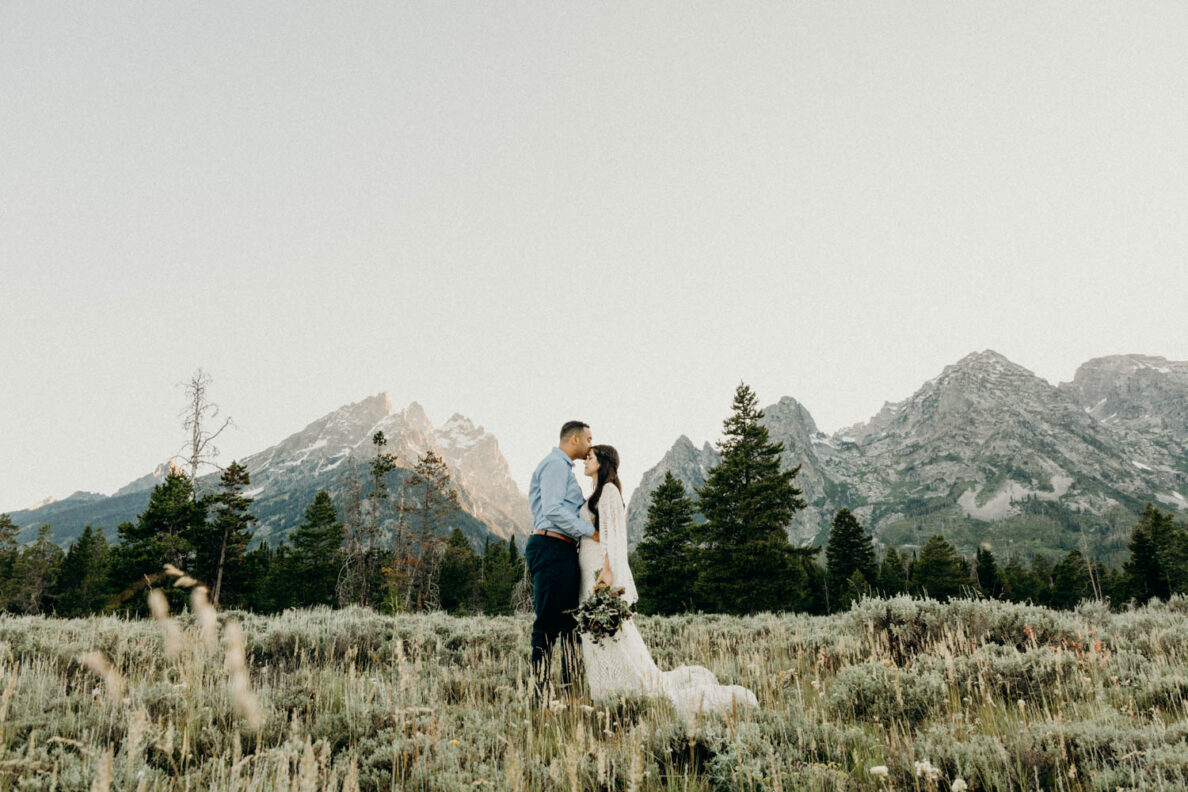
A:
[554,489]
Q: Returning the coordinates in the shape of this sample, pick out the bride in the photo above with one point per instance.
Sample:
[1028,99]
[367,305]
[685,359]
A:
[623,664]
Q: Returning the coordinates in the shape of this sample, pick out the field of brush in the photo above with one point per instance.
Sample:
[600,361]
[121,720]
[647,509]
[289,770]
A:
[965,695]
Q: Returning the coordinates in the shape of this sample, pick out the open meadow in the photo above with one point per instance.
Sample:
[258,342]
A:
[895,694]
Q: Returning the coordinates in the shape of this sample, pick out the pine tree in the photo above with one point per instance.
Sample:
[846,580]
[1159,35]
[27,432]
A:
[316,554]
[1070,581]
[83,583]
[1018,582]
[1158,564]
[499,577]
[35,575]
[892,578]
[458,575]
[748,503]
[1042,571]
[850,550]
[668,558]
[9,551]
[938,571]
[221,544]
[989,580]
[163,534]
[411,578]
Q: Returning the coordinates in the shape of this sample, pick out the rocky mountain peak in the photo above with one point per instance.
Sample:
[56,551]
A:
[416,419]
[1136,392]
[789,413]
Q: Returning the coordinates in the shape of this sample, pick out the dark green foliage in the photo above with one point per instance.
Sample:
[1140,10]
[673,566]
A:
[810,594]
[938,571]
[83,584]
[986,568]
[163,534]
[317,553]
[892,577]
[1042,571]
[1158,564]
[668,558]
[220,544]
[459,573]
[35,576]
[271,584]
[748,503]
[499,576]
[850,550]
[1071,581]
[9,550]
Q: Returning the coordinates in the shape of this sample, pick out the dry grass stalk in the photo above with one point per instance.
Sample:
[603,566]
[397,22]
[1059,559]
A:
[102,780]
[160,610]
[9,689]
[208,620]
[113,683]
[236,667]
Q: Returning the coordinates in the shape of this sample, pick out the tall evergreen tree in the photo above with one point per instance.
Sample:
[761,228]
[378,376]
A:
[317,550]
[35,575]
[221,544]
[892,578]
[748,503]
[499,577]
[1158,564]
[9,551]
[458,575]
[1070,581]
[1042,570]
[83,584]
[850,550]
[938,571]
[163,534]
[271,582]
[668,558]
[1018,582]
[989,580]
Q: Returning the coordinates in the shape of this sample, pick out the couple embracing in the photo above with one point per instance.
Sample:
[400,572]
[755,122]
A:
[576,545]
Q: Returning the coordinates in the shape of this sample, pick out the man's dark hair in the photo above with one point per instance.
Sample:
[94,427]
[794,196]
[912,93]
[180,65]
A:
[571,427]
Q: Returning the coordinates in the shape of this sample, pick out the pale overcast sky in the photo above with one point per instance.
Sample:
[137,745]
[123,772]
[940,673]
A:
[527,212]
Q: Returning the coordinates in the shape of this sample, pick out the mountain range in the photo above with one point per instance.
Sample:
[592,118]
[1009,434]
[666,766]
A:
[986,452]
[326,454]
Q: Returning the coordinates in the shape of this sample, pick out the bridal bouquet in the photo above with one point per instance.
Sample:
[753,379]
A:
[602,613]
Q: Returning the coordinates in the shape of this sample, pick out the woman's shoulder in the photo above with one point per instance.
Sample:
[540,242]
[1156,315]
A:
[610,487]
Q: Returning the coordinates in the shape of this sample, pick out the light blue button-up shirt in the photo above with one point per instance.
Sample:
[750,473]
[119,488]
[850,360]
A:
[555,497]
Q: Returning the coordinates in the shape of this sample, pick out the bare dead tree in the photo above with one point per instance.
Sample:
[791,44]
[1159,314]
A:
[350,574]
[199,414]
[434,504]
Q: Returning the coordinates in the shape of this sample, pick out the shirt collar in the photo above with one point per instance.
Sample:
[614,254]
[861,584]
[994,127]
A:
[563,455]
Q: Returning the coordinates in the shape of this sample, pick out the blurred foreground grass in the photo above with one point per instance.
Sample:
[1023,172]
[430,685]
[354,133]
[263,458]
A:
[968,694]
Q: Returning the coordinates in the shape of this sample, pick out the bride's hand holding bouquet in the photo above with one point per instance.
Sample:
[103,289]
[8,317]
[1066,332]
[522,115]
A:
[604,611]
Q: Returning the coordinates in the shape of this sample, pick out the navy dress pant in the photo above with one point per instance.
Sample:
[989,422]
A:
[553,564]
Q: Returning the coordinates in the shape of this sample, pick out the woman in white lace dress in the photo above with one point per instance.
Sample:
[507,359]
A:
[623,664]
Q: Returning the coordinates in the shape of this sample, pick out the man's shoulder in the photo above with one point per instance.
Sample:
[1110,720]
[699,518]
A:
[549,459]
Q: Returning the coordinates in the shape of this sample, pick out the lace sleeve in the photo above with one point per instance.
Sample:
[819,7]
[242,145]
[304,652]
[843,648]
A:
[612,522]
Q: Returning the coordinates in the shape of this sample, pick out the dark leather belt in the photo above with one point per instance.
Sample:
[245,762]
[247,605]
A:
[555,535]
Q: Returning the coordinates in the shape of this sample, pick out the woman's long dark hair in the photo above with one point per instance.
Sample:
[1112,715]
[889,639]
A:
[608,471]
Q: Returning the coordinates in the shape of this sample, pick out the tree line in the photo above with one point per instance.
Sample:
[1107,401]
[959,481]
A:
[391,557]
[727,550]
[724,551]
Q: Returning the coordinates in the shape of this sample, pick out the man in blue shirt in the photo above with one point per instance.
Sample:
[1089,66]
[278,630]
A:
[552,556]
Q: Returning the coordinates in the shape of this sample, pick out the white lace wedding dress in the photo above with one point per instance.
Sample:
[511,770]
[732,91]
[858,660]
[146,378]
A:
[623,664]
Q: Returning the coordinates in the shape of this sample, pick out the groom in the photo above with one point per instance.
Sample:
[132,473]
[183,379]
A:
[552,556]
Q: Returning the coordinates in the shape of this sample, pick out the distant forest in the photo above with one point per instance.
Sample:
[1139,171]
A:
[736,559]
